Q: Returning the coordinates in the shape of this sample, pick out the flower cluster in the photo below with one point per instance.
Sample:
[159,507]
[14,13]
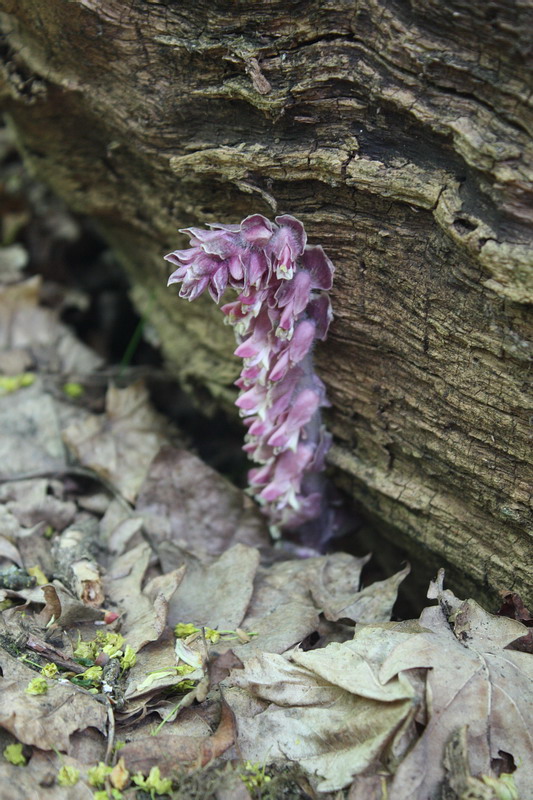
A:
[280,311]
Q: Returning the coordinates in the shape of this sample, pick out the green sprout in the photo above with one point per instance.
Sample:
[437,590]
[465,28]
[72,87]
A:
[185,686]
[73,390]
[13,754]
[185,629]
[503,787]
[112,643]
[12,383]
[253,776]
[154,783]
[93,674]
[129,659]
[97,775]
[50,670]
[38,574]
[184,669]
[37,686]
[68,775]
[86,650]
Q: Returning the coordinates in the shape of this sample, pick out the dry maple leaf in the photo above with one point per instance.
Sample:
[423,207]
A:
[472,681]
[349,709]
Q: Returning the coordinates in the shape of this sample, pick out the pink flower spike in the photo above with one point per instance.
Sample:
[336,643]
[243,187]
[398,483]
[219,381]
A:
[191,290]
[258,341]
[218,283]
[257,267]
[281,367]
[180,257]
[235,268]
[219,226]
[261,476]
[259,427]
[278,314]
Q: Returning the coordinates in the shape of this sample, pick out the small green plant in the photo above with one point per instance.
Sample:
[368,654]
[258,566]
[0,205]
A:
[37,686]
[253,776]
[68,775]
[504,787]
[13,753]
[97,775]
[50,670]
[12,383]
[154,783]
[73,390]
[185,629]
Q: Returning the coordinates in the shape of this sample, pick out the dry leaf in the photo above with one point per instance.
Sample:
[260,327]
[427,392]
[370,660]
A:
[154,670]
[46,720]
[217,595]
[30,502]
[474,681]
[27,327]
[144,610]
[188,503]
[120,444]
[30,438]
[65,609]
[9,552]
[289,595]
[166,750]
[36,781]
[339,596]
[327,712]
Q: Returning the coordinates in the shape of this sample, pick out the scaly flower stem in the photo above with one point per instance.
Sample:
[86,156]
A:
[281,310]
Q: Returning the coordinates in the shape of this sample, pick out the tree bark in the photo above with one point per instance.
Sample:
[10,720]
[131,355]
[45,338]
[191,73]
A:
[397,132]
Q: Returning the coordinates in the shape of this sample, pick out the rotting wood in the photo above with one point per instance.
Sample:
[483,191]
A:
[397,132]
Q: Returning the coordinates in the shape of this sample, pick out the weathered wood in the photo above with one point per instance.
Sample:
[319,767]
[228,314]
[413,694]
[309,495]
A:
[397,132]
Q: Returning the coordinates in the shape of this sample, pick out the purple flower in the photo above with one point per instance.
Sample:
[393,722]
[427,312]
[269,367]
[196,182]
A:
[280,311]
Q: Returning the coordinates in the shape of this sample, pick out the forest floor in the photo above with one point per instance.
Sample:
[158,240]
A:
[154,640]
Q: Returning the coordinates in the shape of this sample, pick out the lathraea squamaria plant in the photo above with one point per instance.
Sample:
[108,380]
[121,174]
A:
[281,310]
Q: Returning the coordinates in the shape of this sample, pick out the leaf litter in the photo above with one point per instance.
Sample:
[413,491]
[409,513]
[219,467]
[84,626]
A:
[154,643]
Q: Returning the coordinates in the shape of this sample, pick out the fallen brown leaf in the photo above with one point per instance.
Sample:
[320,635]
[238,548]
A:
[187,503]
[167,751]
[30,436]
[46,720]
[472,681]
[374,603]
[32,502]
[217,595]
[35,330]
[37,780]
[65,609]
[120,444]
[145,610]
